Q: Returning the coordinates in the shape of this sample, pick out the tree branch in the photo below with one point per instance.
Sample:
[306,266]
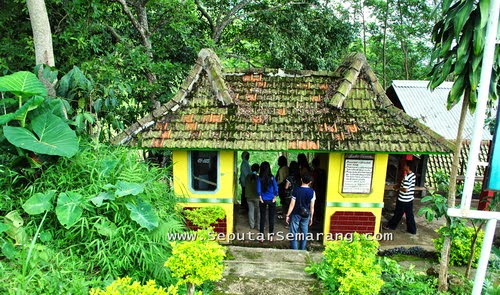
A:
[205,14]
[232,16]
[228,18]
[134,20]
[114,33]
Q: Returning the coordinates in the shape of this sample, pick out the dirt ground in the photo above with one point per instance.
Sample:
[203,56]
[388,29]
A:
[426,231]
[267,269]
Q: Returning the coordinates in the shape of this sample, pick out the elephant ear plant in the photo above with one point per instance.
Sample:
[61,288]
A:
[41,132]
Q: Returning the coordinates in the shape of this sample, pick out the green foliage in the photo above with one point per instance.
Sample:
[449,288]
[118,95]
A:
[204,217]
[107,206]
[307,35]
[125,286]
[495,259]
[436,208]
[195,262]
[441,180]
[436,204]
[405,281]
[13,226]
[349,267]
[458,39]
[52,136]
[461,242]
[491,287]
[37,127]
[394,37]
[50,271]
[9,179]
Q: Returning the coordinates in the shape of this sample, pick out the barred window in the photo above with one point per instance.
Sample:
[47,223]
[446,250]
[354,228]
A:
[204,170]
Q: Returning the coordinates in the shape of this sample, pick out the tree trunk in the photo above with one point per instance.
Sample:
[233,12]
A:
[384,61]
[364,25]
[445,251]
[190,288]
[42,35]
[404,46]
[473,248]
[140,23]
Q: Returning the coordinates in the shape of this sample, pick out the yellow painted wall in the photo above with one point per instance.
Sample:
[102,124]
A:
[222,196]
[372,202]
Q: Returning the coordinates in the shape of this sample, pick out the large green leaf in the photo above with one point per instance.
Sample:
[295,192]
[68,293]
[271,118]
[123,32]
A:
[3,227]
[14,218]
[54,136]
[57,106]
[21,113]
[143,213]
[39,203]
[15,230]
[69,208]
[124,188]
[99,199]
[9,250]
[106,227]
[22,83]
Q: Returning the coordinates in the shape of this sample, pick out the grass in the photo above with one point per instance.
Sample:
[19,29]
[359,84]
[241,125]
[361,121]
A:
[404,257]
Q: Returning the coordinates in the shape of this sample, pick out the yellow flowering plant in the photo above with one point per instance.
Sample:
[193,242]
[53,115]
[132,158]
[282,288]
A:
[195,262]
[125,286]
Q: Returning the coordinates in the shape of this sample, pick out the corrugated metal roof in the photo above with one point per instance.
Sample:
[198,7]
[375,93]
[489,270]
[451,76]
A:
[429,107]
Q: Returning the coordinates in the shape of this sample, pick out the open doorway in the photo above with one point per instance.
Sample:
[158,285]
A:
[318,168]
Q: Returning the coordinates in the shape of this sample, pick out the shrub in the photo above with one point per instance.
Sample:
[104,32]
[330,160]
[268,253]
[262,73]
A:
[196,262]
[461,242]
[349,267]
[125,286]
[107,206]
[412,282]
[204,217]
[50,272]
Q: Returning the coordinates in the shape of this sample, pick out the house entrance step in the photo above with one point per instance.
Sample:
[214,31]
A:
[263,271]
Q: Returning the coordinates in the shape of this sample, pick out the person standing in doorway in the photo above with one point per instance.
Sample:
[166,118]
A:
[319,187]
[252,196]
[244,171]
[303,164]
[281,176]
[404,203]
[268,191]
[301,212]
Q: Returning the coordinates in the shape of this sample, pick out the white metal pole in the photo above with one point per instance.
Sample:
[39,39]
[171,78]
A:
[484,257]
[482,99]
[484,83]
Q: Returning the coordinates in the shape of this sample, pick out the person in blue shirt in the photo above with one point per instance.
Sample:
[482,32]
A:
[303,197]
[267,189]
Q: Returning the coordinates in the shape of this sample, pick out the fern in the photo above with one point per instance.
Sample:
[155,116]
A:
[168,226]
[134,172]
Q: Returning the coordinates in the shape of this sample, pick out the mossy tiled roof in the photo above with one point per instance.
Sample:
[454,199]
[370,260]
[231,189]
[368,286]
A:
[268,109]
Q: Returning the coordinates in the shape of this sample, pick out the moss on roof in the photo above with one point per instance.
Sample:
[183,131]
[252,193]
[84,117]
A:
[273,109]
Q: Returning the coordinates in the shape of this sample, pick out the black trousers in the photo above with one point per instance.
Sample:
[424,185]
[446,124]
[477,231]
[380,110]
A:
[407,209]
[244,203]
[271,206]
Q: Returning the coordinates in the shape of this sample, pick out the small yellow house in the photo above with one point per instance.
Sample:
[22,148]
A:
[344,116]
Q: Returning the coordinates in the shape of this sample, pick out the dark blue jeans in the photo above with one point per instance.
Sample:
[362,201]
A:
[271,207]
[299,224]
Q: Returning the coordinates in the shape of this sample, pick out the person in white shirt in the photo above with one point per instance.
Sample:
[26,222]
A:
[404,203]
